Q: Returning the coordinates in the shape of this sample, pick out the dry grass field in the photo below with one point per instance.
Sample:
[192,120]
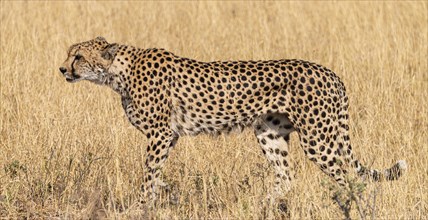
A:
[67,151]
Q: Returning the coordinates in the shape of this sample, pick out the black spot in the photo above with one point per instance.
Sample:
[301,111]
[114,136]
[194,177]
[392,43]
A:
[285,163]
[284,153]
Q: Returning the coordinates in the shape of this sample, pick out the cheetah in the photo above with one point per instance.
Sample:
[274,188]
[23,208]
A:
[166,96]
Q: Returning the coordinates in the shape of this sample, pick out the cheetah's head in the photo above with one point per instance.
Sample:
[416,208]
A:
[89,60]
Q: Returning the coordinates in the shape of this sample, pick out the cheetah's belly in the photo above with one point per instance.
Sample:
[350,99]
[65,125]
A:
[189,123]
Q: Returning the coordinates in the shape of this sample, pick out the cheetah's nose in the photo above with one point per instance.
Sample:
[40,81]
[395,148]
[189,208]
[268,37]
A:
[63,70]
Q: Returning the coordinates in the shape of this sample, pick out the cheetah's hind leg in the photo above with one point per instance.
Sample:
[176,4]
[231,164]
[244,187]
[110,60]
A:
[272,132]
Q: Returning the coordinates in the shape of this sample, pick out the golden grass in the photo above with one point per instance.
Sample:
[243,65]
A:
[68,151]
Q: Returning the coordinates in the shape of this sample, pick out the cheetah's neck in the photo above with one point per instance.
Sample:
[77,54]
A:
[114,78]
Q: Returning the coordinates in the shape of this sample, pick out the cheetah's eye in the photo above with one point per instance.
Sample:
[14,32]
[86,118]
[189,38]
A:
[78,56]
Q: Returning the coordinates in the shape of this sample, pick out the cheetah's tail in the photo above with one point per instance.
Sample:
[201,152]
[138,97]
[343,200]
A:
[392,173]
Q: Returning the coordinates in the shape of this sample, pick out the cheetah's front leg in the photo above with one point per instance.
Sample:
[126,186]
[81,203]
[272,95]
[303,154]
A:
[157,152]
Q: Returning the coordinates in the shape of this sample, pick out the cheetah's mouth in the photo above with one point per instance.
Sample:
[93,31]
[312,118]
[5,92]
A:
[72,78]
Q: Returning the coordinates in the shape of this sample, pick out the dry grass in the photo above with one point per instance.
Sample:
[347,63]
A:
[67,150]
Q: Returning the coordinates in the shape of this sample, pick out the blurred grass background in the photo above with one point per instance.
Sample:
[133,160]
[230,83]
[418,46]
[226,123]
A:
[68,151]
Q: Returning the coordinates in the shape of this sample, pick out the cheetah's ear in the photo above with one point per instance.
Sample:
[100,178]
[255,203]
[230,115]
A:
[109,52]
[100,38]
